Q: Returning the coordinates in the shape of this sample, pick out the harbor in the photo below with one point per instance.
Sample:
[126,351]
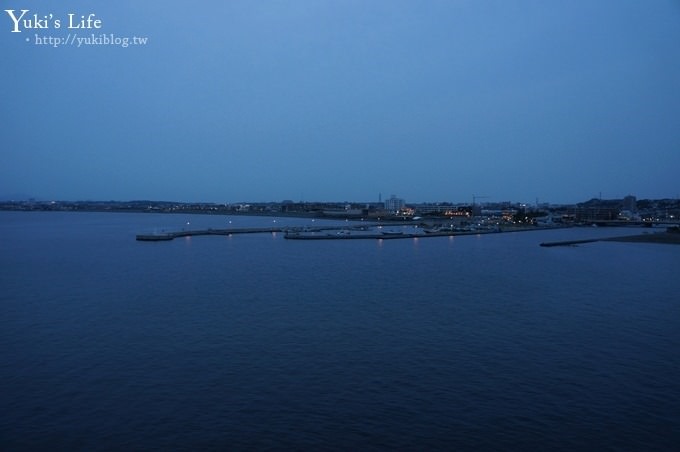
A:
[401,230]
[385,235]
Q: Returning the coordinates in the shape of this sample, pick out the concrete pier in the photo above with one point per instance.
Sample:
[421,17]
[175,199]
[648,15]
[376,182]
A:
[381,236]
[569,242]
[164,236]
[359,232]
[670,237]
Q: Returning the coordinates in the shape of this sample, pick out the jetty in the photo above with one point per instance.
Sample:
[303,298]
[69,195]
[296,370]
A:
[166,236]
[382,235]
[670,237]
[569,242]
[358,232]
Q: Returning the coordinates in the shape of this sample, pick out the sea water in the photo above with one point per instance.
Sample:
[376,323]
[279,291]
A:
[249,342]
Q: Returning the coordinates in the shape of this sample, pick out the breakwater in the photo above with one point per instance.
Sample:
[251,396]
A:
[164,236]
[670,237]
[362,232]
[381,236]
[170,235]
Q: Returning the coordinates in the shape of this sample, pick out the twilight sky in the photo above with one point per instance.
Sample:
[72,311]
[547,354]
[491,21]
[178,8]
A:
[342,100]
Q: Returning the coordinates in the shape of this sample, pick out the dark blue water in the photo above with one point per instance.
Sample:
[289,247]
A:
[255,342]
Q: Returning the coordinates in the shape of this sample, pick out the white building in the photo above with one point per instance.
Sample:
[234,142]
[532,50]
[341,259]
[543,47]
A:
[394,204]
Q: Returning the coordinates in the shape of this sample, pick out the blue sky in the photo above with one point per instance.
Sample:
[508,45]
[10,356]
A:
[342,100]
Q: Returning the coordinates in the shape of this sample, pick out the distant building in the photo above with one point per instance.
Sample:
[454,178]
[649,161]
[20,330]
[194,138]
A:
[394,204]
[630,203]
[587,214]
